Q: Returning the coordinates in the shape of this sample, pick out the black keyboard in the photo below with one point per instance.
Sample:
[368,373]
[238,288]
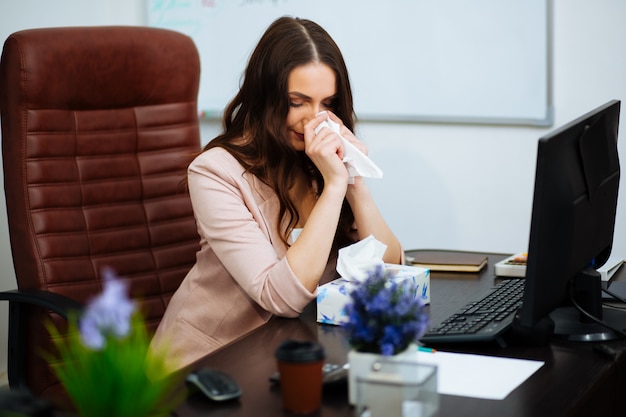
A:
[482,320]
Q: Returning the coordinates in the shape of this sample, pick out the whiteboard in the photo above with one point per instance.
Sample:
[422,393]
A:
[468,61]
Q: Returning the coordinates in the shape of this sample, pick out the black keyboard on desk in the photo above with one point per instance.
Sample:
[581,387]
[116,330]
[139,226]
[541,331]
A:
[482,320]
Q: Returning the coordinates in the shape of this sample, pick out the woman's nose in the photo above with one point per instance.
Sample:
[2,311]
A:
[312,113]
[316,109]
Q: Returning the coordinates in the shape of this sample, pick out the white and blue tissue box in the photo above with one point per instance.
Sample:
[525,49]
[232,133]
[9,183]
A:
[333,296]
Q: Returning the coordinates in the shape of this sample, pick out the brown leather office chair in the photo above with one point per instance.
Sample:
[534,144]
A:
[98,127]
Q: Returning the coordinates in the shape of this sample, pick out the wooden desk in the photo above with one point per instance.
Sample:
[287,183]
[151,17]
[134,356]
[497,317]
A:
[575,380]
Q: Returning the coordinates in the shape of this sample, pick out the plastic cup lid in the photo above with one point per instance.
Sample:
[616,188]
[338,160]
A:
[299,351]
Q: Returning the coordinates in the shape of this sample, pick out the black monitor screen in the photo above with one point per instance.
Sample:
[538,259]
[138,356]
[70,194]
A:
[572,226]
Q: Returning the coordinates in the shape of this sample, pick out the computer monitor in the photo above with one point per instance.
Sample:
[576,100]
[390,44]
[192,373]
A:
[572,226]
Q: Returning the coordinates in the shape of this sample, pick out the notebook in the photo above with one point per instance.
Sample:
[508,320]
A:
[450,261]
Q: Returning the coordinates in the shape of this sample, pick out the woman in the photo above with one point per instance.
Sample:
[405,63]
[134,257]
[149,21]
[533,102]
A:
[271,197]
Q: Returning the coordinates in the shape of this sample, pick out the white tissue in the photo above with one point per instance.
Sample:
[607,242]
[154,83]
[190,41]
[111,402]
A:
[354,262]
[357,163]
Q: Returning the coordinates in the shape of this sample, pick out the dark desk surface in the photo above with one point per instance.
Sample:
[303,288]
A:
[575,380]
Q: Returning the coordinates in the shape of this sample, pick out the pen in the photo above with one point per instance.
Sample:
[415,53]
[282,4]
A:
[425,349]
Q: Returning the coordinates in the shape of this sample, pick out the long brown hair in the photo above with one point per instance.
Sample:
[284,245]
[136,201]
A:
[254,122]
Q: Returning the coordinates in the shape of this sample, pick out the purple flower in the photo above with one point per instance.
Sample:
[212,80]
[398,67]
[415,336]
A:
[107,314]
[385,316]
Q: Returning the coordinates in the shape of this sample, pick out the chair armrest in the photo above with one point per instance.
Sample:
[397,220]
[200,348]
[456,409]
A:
[58,303]
[19,304]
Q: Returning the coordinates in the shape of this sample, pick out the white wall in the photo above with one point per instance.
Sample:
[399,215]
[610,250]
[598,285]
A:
[445,186]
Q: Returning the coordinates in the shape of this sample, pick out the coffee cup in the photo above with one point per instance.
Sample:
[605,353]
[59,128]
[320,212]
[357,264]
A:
[300,366]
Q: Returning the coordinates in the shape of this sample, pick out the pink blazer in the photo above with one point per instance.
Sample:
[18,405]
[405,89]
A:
[241,276]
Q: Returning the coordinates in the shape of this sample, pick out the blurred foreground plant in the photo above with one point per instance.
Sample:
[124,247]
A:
[105,363]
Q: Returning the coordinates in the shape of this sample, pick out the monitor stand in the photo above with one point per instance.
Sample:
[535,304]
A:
[571,324]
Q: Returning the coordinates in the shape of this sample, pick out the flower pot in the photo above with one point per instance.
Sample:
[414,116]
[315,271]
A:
[361,365]
[395,388]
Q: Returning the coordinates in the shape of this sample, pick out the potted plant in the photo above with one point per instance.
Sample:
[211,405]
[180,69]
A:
[386,317]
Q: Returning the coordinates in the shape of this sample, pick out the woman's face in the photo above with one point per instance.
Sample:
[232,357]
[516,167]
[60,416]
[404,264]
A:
[311,89]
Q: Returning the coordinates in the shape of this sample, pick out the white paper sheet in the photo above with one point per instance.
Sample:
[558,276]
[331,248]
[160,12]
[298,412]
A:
[478,376]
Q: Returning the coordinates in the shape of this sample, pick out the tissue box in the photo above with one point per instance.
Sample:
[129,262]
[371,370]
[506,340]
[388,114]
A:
[333,296]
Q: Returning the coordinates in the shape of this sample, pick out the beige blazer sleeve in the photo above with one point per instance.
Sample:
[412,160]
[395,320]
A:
[237,217]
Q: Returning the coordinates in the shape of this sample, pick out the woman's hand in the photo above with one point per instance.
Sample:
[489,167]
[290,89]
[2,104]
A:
[348,134]
[326,151]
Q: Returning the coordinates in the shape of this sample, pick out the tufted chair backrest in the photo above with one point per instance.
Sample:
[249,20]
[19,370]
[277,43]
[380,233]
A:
[98,127]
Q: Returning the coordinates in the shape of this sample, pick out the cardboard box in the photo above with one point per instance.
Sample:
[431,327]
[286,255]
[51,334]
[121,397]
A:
[333,296]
